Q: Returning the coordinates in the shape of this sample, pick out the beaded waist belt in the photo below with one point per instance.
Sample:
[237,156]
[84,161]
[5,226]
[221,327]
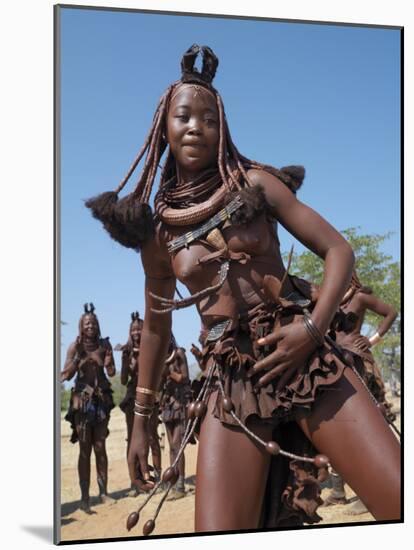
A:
[217,330]
[298,299]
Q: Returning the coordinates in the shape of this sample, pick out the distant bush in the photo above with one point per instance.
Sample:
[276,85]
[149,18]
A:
[118,395]
[64,398]
[118,389]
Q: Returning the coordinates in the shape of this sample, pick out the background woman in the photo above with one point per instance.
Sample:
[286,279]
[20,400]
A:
[175,397]
[91,401]
[357,301]
[129,378]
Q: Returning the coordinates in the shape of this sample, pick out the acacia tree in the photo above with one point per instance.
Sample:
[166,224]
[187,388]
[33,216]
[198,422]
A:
[376,270]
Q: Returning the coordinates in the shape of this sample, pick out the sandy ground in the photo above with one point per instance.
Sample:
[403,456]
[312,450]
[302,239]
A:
[108,520]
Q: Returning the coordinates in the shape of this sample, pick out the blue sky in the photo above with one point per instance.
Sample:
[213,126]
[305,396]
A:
[324,96]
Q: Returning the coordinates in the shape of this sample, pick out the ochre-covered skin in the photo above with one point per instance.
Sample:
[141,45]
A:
[129,378]
[176,395]
[344,424]
[348,335]
[340,420]
[90,358]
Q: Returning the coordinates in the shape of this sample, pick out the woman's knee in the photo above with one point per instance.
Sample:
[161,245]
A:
[85,450]
[99,446]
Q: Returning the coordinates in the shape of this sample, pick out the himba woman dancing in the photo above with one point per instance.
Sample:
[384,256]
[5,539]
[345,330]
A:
[348,323]
[175,398]
[91,401]
[129,378]
[273,388]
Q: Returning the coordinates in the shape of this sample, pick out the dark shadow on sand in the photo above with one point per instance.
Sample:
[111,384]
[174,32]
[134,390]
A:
[67,521]
[68,508]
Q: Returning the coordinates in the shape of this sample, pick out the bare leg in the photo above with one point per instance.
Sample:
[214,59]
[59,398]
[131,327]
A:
[99,435]
[129,418]
[169,428]
[174,444]
[231,476]
[154,442]
[347,427]
[84,464]
[177,437]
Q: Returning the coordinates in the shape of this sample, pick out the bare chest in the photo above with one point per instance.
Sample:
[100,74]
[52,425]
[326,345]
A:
[189,263]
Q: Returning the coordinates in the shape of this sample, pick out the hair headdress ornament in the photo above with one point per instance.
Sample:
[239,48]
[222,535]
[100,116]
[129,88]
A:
[89,308]
[190,73]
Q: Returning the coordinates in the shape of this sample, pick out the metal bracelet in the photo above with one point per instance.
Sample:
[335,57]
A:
[146,391]
[144,408]
[374,339]
[313,330]
[142,414]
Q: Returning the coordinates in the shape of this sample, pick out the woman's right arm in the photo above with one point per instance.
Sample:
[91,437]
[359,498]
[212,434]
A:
[71,365]
[389,314]
[155,339]
[182,376]
[379,307]
[124,367]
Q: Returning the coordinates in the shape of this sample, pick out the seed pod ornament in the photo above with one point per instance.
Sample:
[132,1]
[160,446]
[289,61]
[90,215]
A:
[148,527]
[170,475]
[132,520]
[191,409]
[227,404]
[321,461]
[200,409]
[272,448]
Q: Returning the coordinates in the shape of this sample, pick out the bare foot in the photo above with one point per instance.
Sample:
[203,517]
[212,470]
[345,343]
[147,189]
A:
[357,508]
[84,506]
[175,495]
[332,501]
[106,499]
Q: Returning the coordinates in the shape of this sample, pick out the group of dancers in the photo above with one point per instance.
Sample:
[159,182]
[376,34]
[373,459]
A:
[91,359]
[288,387]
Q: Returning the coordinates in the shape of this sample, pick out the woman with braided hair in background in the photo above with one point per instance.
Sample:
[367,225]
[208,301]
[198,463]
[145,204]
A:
[91,401]
[129,378]
[357,300]
[273,390]
[175,397]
